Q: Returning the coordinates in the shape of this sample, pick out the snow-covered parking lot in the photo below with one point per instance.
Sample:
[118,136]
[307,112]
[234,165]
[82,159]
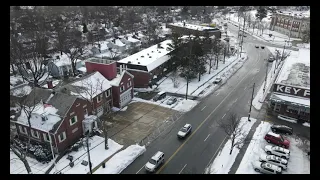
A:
[299,162]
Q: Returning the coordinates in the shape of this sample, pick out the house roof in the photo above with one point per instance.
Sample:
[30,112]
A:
[131,39]
[296,69]
[116,81]
[192,26]
[119,43]
[151,57]
[63,102]
[36,95]
[88,86]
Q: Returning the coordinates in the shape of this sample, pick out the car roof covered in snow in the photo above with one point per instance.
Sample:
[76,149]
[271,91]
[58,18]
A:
[187,125]
[273,134]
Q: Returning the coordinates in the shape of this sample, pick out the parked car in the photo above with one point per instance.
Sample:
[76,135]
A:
[172,100]
[184,131]
[277,139]
[282,129]
[266,168]
[278,151]
[271,59]
[217,80]
[272,159]
[156,160]
[159,96]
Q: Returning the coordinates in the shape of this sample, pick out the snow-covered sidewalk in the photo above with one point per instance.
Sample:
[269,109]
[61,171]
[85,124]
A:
[298,163]
[121,160]
[224,160]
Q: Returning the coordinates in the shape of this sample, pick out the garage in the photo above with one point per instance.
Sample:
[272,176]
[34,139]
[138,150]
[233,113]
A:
[125,98]
[100,111]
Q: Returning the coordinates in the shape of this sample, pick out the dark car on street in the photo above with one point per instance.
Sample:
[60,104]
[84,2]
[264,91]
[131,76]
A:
[282,129]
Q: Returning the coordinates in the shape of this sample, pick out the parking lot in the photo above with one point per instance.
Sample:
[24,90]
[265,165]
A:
[136,122]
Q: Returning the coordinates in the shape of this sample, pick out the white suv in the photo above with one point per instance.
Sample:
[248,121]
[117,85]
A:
[266,168]
[278,151]
[272,159]
[155,161]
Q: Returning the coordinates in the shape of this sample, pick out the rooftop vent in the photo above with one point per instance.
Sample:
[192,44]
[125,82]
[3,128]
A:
[149,56]
[137,58]
[129,62]
[138,62]
[152,51]
[142,56]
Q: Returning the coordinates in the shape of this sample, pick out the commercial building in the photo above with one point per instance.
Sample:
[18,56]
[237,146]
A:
[187,29]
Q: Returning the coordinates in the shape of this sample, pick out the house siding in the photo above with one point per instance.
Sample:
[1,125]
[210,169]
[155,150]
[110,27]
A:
[104,100]
[109,71]
[116,89]
[141,79]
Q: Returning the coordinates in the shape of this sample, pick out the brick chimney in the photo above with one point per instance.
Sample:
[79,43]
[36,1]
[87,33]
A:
[49,84]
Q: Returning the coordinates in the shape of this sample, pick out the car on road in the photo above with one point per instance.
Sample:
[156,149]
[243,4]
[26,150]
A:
[217,80]
[172,100]
[282,129]
[278,151]
[277,139]
[271,59]
[184,131]
[266,168]
[156,160]
[272,159]
[159,96]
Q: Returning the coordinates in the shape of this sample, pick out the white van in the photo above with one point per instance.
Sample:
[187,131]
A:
[155,161]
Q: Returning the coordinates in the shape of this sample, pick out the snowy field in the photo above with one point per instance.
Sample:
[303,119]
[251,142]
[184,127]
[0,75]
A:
[182,104]
[121,160]
[224,161]
[299,162]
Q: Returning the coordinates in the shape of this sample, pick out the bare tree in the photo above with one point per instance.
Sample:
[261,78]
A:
[26,106]
[233,130]
[174,77]
[88,91]
[216,50]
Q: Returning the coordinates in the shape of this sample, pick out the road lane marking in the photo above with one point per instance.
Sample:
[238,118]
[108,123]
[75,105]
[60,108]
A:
[217,94]
[206,137]
[216,151]
[188,138]
[183,168]
[223,116]
[203,108]
[140,169]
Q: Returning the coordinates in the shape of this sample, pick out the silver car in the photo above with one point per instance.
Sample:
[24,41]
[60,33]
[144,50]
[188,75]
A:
[278,151]
[272,159]
[266,168]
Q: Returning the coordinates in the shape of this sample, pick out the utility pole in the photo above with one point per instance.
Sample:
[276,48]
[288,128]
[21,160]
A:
[224,54]
[90,165]
[265,79]
[251,102]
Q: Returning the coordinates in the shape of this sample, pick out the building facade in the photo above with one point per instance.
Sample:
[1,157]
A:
[187,29]
[282,22]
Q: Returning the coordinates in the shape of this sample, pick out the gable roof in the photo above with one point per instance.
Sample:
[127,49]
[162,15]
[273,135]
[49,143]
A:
[116,81]
[63,102]
[36,95]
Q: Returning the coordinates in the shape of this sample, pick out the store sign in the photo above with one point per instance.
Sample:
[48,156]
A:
[291,90]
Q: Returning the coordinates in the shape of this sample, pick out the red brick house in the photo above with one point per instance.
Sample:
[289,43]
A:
[56,119]
[122,88]
[148,65]
[122,82]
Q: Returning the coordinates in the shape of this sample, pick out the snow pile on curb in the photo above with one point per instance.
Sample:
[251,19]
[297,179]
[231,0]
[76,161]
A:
[121,160]
[224,161]
[306,124]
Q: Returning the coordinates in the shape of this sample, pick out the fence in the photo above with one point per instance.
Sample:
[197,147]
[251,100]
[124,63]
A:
[160,128]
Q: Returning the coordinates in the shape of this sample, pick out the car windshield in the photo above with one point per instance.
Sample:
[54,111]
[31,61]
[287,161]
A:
[281,138]
[184,129]
[152,161]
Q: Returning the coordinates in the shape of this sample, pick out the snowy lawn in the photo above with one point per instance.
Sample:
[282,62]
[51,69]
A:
[167,84]
[97,155]
[121,160]
[16,80]
[224,161]
[182,104]
[298,163]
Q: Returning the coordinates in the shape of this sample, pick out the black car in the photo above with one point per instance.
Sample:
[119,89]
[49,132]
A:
[282,129]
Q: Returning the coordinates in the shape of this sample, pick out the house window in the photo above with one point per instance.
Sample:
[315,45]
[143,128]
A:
[107,93]
[62,137]
[23,130]
[129,84]
[73,120]
[46,137]
[34,134]
[293,110]
[78,105]
[99,98]
[121,88]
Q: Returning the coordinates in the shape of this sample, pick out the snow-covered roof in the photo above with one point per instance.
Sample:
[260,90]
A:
[54,83]
[90,86]
[21,90]
[299,14]
[151,57]
[116,81]
[291,99]
[104,45]
[273,134]
[90,118]
[192,26]
[63,61]
[41,110]
[296,69]
[119,43]
[82,69]
[131,39]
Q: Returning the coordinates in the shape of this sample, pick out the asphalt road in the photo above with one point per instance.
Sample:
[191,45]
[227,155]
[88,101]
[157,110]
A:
[193,154]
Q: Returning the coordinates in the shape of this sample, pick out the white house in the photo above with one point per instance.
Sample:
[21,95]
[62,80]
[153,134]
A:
[117,44]
[130,41]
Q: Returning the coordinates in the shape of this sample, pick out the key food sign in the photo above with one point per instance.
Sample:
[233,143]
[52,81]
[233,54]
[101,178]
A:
[296,91]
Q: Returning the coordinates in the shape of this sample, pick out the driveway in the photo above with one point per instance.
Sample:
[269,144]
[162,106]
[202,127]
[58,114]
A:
[136,122]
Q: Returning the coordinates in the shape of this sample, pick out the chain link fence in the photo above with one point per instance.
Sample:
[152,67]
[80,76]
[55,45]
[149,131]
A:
[160,128]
